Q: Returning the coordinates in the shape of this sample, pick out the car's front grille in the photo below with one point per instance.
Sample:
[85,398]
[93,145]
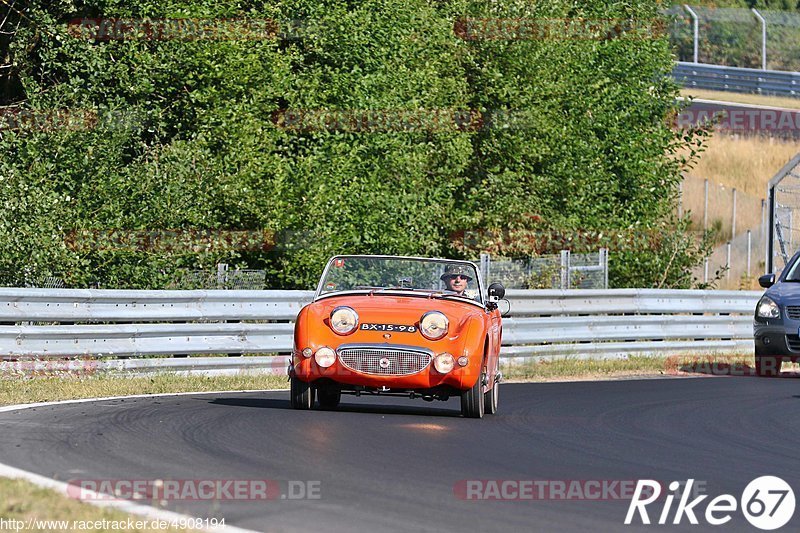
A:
[793,341]
[793,311]
[385,360]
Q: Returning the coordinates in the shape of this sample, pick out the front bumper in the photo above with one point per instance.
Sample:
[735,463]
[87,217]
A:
[426,378]
[777,338]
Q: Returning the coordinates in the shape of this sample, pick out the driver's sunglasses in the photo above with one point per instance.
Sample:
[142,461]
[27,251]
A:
[459,277]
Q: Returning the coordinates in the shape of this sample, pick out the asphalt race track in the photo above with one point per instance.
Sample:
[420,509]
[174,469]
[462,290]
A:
[391,464]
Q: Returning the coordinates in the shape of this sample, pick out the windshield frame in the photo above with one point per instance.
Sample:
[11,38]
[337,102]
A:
[318,295]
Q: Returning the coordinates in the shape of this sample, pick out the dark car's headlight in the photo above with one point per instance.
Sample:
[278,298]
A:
[344,320]
[767,308]
[433,325]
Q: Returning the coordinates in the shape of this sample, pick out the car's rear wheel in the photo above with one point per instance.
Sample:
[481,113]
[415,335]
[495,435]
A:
[301,394]
[329,398]
[768,365]
[491,397]
[472,400]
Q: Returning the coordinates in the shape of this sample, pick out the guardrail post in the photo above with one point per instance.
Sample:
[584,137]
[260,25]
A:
[696,28]
[763,38]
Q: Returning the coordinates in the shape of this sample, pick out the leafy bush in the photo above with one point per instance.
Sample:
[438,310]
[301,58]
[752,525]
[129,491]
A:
[186,138]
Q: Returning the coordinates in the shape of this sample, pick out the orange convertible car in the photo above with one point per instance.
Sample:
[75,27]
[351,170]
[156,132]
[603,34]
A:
[403,326]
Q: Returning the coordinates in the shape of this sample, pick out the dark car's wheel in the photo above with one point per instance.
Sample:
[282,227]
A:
[301,394]
[329,398]
[768,365]
[472,401]
[491,397]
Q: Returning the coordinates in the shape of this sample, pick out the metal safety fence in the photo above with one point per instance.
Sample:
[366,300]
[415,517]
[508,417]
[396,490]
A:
[37,326]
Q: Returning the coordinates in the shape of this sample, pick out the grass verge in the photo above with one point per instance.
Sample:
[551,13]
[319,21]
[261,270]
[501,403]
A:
[26,507]
[48,389]
[757,99]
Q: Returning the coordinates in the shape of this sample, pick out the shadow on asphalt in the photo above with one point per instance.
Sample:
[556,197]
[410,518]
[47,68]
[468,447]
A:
[344,407]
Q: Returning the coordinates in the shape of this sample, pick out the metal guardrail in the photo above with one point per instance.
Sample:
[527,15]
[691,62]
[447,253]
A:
[67,323]
[739,80]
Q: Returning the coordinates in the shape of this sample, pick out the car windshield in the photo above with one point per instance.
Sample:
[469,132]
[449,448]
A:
[449,278]
[794,271]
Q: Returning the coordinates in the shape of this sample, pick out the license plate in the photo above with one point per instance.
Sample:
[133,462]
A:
[388,327]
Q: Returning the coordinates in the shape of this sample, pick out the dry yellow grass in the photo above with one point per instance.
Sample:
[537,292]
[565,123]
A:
[775,101]
[744,163]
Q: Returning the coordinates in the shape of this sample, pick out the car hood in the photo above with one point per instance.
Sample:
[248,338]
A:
[393,309]
[785,292]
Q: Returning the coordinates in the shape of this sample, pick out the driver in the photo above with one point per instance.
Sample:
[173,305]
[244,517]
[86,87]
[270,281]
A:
[456,278]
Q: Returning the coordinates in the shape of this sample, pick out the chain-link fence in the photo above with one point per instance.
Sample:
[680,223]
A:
[563,271]
[223,278]
[784,205]
[736,37]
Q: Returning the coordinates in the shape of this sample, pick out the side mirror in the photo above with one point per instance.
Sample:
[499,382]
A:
[496,292]
[767,280]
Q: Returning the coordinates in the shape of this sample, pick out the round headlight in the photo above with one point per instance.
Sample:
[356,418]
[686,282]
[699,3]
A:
[344,320]
[433,325]
[768,309]
[443,363]
[325,357]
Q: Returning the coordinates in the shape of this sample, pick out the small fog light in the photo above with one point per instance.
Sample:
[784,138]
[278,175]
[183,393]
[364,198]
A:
[325,357]
[443,363]
[463,361]
[308,352]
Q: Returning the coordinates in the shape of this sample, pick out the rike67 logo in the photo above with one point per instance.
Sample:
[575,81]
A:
[767,503]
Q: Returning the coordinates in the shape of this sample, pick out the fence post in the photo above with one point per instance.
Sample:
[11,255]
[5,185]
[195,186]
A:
[705,270]
[763,38]
[696,30]
[733,216]
[485,260]
[749,249]
[728,261]
[222,275]
[604,264]
[565,274]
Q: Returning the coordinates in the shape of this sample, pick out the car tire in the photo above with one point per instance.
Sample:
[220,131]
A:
[301,394]
[491,398]
[472,400]
[329,398]
[768,366]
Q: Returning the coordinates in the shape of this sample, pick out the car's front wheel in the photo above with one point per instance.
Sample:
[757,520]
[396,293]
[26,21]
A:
[329,398]
[768,365]
[301,394]
[472,400]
